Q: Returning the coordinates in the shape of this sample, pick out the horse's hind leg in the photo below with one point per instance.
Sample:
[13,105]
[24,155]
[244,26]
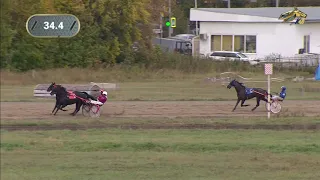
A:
[74,112]
[242,103]
[264,99]
[236,105]
[78,106]
[63,107]
[258,104]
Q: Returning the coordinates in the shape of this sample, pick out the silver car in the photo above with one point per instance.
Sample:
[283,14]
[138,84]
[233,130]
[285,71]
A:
[232,56]
[184,36]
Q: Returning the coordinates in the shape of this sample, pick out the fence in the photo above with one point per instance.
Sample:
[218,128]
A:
[225,78]
[307,60]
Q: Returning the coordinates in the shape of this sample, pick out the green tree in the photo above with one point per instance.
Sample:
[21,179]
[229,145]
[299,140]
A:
[109,28]
[6,34]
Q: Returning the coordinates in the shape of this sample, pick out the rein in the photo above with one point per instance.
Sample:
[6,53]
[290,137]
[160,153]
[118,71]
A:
[85,100]
[260,93]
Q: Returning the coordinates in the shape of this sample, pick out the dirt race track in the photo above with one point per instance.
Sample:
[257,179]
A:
[37,110]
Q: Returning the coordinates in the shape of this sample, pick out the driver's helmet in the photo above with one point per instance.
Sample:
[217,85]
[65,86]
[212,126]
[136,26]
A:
[283,88]
[105,93]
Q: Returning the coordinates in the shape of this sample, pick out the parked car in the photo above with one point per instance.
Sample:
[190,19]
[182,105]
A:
[232,56]
[184,36]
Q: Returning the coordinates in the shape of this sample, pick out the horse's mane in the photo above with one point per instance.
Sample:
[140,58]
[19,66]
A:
[241,84]
[63,88]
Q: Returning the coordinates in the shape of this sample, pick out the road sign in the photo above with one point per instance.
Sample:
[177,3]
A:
[268,69]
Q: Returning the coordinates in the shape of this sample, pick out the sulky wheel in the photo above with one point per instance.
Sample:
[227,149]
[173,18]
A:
[275,107]
[95,111]
[86,110]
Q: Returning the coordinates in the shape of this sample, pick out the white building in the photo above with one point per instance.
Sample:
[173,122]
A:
[257,32]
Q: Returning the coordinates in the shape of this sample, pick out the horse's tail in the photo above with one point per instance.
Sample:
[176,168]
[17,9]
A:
[87,96]
[91,97]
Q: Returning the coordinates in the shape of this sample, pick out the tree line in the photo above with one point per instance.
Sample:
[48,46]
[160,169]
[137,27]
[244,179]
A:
[109,30]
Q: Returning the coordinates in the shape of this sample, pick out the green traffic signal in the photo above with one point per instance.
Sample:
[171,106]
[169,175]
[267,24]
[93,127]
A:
[168,23]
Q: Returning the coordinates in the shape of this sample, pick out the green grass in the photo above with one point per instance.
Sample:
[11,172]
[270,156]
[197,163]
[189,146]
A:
[137,83]
[189,89]
[160,154]
[155,154]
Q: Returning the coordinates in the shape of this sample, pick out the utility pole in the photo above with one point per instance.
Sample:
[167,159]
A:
[170,29]
[161,33]
[229,4]
[196,6]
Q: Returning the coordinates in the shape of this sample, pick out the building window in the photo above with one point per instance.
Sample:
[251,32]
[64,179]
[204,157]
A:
[227,43]
[216,43]
[239,43]
[251,42]
[306,43]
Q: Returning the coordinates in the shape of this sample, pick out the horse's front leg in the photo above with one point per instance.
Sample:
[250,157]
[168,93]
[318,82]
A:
[55,106]
[257,105]
[236,105]
[58,107]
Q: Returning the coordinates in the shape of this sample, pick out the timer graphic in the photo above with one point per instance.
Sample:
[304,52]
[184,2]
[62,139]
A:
[53,25]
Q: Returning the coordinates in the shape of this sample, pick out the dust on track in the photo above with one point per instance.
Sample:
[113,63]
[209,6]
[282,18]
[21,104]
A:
[42,110]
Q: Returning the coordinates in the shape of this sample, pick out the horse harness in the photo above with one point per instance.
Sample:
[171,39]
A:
[249,91]
[71,95]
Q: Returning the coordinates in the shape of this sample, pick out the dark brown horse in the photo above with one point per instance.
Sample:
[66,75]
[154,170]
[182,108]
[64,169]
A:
[65,98]
[244,93]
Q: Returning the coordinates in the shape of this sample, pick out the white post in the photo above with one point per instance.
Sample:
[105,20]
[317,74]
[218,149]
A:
[268,70]
[268,96]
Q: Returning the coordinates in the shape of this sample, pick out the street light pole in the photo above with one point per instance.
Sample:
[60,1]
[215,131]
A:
[196,6]
[169,18]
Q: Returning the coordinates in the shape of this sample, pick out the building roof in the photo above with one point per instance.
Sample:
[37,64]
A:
[270,12]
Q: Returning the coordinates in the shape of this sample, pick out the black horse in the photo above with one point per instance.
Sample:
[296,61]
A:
[65,98]
[52,85]
[245,93]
